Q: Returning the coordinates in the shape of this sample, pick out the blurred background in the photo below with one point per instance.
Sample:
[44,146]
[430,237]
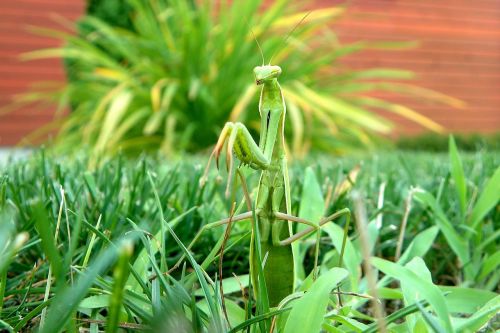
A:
[450,48]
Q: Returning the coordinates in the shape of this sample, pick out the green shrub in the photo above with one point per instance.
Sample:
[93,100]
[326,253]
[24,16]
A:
[185,68]
[116,13]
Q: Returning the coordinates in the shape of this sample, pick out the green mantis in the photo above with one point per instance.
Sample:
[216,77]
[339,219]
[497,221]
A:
[273,206]
[272,209]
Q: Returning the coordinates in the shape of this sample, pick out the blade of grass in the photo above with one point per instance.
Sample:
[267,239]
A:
[91,243]
[457,172]
[399,314]
[466,300]
[257,319]
[46,233]
[33,313]
[308,312]
[216,320]
[5,326]
[487,200]
[480,317]
[456,242]
[66,301]
[436,327]
[429,291]
[120,277]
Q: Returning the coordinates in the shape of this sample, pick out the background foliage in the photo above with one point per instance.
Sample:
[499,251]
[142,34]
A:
[433,142]
[171,80]
[115,12]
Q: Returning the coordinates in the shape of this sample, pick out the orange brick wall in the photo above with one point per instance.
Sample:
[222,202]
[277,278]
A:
[459,55]
[16,18]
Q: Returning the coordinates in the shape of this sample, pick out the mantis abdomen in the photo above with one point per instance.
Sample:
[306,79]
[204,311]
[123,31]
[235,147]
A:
[278,269]
[278,259]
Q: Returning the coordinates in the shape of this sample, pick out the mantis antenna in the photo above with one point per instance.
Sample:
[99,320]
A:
[290,34]
[256,41]
[258,45]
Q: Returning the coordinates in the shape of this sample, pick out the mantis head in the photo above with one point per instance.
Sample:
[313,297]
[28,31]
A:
[266,73]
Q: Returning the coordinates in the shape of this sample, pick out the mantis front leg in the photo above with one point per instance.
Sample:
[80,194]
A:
[240,142]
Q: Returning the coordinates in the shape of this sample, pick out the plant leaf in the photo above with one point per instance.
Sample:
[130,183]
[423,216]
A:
[68,299]
[481,317]
[457,243]
[312,203]
[308,312]
[487,200]
[466,300]
[420,244]
[489,265]
[419,286]
[457,172]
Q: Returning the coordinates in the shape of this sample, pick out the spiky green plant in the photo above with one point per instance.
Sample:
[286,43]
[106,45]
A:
[186,68]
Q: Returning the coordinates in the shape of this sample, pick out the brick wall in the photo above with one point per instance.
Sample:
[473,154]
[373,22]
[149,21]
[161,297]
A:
[16,18]
[459,55]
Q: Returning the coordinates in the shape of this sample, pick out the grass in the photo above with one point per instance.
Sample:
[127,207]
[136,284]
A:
[79,248]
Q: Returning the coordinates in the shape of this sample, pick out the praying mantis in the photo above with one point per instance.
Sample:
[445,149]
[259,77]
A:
[273,201]
[272,208]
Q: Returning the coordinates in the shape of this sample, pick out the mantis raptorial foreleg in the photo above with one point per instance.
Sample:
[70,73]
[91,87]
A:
[240,142]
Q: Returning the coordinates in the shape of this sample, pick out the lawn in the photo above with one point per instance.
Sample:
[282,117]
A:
[86,250]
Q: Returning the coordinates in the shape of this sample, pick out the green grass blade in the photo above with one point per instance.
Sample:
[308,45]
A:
[33,313]
[216,319]
[9,246]
[312,202]
[397,315]
[352,258]
[489,265]
[120,277]
[46,233]
[66,301]
[312,206]
[430,320]
[427,290]
[308,312]
[487,200]
[254,320]
[420,245]
[466,300]
[142,261]
[456,242]
[480,317]
[457,172]
[5,326]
